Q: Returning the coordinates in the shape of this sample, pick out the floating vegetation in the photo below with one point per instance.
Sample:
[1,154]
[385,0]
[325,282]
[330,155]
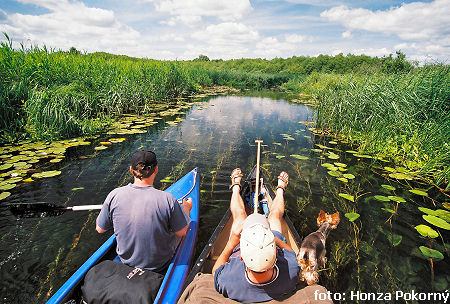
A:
[388,187]
[4,195]
[332,155]
[46,174]
[316,150]
[77,188]
[334,173]
[340,165]
[299,157]
[397,199]
[5,167]
[342,179]
[419,192]
[352,216]
[381,198]
[427,231]
[332,142]
[349,176]
[287,137]
[5,186]
[100,148]
[430,253]
[347,196]
[167,179]
[394,239]
[323,147]
[436,221]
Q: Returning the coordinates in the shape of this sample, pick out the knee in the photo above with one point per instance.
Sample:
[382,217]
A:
[275,215]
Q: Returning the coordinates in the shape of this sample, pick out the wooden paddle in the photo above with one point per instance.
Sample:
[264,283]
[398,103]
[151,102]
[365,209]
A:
[258,154]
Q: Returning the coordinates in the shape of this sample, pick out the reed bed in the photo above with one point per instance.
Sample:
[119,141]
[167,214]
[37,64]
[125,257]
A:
[405,118]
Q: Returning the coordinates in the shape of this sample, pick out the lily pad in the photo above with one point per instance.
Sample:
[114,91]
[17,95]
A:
[351,151]
[427,231]
[347,196]
[352,216]
[5,167]
[342,179]
[167,179]
[388,210]
[446,205]
[46,174]
[397,199]
[443,214]
[99,148]
[340,165]
[28,180]
[419,192]
[4,195]
[431,253]
[342,169]
[389,169]
[400,176]
[382,198]
[333,142]
[77,188]
[438,222]
[388,187]
[349,176]
[300,157]
[7,187]
[316,150]
[56,160]
[322,146]
[394,239]
[332,155]
[334,173]
[278,156]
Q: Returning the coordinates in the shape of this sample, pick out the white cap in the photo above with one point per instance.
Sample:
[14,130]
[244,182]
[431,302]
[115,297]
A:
[258,249]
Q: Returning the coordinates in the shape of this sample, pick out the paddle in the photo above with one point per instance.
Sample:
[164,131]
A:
[258,154]
[41,209]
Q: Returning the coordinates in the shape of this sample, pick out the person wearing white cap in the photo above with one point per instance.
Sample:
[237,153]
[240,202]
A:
[256,264]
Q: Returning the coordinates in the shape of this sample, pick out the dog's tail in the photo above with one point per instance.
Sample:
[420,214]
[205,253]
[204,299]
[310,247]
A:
[332,219]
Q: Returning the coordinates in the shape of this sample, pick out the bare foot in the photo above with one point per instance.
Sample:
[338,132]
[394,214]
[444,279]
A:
[236,177]
[283,180]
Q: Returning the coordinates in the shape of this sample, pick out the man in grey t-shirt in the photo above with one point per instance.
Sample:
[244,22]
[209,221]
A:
[148,223]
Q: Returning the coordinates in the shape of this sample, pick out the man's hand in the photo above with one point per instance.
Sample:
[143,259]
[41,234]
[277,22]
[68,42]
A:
[187,206]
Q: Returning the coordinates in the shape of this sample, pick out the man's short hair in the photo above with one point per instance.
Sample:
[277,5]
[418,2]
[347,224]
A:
[143,163]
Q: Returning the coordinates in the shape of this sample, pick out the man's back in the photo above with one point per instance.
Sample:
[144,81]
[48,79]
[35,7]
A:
[144,220]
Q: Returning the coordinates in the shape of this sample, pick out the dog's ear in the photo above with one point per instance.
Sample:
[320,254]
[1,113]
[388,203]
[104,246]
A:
[335,219]
[321,218]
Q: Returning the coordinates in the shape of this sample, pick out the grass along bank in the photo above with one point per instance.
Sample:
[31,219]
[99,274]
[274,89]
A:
[401,117]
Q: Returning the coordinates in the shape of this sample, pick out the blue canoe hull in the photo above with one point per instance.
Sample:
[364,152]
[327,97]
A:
[171,287]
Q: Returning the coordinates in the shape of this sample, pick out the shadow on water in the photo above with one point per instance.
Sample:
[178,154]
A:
[378,252]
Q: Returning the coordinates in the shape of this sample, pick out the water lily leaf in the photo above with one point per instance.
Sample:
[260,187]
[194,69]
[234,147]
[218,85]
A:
[363,156]
[7,187]
[277,143]
[446,205]
[349,176]
[28,180]
[347,196]
[389,169]
[106,143]
[278,156]
[388,187]
[382,198]
[342,169]
[332,155]
[342,179]
[333,142]
[116,140]
[77,188]
[99,148]
[334,173]
[394,239]
[300,157]
[397,199]
[388,210]
[352,216]
[427,231]
[46,174]
[443,214]
[5,167]
[56,160]
[352,152]
[327,165]
[419,192]
[431,253]
[340,165]
[400,176]
[322,146]
[213,171]
[438,222]
[316,150]
[4,195]
[167,179]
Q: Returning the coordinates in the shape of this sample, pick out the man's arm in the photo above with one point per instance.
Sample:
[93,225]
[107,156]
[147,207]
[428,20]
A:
[186,206]
[99,229]
[227,251]
[282,244]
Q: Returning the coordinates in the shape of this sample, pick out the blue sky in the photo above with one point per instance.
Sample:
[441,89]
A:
[183,29]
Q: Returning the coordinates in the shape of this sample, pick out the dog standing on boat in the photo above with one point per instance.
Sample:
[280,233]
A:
[312,250]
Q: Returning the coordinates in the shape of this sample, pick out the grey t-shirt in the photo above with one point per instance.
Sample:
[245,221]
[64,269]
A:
[144,220]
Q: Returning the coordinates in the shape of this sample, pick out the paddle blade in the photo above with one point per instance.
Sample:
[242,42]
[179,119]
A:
[36,209]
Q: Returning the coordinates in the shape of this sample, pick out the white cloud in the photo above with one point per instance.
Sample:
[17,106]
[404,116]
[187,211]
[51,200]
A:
[417,21]
[294,38]
[227,33]
[347,34]
[72,23]
[187,10]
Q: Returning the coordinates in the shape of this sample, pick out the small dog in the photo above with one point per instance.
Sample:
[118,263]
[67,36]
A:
[312,251]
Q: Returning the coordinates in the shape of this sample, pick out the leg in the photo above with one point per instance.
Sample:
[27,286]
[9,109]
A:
[237,207]
[277,207]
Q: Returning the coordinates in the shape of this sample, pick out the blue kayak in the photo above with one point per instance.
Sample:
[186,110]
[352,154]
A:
[171,287]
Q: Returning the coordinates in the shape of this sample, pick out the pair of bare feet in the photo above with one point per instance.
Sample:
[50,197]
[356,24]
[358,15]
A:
[236,176]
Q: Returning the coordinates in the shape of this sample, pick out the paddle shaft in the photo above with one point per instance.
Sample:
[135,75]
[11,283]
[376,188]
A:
[255,202]
[85,207]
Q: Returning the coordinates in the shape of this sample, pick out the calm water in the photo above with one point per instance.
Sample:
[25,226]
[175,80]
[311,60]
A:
[38,254]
